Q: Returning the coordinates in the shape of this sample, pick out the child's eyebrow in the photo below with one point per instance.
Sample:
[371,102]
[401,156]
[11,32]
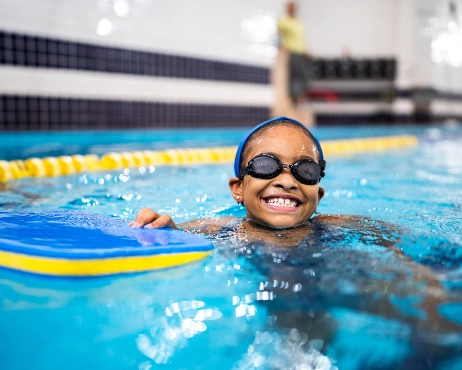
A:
[298,158]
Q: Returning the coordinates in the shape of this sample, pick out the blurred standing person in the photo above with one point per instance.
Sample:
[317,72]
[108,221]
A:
[292,40]
[290,75]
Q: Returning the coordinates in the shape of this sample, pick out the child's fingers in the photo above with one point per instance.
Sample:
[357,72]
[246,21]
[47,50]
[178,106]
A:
[162,221]
[148,239]
[144,217]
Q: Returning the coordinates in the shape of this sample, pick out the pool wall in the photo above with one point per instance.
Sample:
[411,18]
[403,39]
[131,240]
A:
[138,64]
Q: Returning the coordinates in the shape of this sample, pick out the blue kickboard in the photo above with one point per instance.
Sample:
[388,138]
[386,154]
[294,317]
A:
[81,235]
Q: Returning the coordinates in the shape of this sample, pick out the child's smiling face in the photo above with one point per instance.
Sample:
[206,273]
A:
[280,202]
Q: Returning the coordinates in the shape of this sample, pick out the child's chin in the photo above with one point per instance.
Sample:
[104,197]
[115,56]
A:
[283,224]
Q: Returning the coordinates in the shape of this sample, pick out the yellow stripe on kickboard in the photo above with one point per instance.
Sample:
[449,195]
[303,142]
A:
[96,267]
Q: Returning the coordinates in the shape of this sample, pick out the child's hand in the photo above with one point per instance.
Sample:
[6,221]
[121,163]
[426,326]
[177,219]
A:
[147,218]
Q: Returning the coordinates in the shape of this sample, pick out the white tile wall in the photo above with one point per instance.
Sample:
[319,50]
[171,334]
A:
[212,29]
[204,28]
[94,85]
[365,27]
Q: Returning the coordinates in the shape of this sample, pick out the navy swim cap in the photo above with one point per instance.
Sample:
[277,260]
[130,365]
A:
[237,159]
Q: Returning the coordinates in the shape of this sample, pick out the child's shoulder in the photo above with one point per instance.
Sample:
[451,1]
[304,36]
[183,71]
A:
[341,220]
[357,222]
[210,225]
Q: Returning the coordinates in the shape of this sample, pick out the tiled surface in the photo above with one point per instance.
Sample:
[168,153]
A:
[429,93]
[43,52]
[448,95]
[383,95]
[362,119]
[361,69]
[15,80]
[20,113]
[44,113]
[33,51]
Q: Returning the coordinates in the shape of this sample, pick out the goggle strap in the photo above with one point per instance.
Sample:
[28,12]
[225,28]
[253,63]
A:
[321,154]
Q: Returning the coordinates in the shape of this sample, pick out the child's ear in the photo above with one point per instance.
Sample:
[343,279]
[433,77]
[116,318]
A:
[320,194]
[235,185]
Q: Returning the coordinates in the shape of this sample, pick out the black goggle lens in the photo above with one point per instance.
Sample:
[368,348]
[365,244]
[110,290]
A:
[307,170]
[266,166]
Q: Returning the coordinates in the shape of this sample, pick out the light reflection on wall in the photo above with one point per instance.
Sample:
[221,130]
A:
[447,44]
[104,27]
[261,31]
[114,10]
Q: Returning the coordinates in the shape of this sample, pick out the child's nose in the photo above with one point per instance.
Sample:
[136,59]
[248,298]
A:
[286,180]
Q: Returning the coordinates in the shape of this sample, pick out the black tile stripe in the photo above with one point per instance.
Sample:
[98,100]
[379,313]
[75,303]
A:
[430,93]
[356,69]
[352,119]
[43,52]
[31,113]
[384,95]
[448,96]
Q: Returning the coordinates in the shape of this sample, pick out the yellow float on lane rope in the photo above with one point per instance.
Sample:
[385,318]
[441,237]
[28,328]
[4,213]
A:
[5,171]
[65,165]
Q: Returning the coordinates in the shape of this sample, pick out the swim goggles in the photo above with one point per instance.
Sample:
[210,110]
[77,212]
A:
[240,148]
[267,166]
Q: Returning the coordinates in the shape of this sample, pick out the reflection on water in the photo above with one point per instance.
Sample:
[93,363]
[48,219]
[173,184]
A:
[182,320]
[371,307]
[286,350]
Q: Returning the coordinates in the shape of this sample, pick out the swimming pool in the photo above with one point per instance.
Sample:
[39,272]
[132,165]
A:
[343,298]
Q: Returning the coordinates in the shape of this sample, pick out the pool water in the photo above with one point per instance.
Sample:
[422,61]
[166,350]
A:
[338,300]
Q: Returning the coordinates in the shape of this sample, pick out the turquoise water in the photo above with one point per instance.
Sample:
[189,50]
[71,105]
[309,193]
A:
[340,299]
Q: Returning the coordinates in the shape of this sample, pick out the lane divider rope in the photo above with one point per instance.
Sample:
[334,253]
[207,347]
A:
[67,165]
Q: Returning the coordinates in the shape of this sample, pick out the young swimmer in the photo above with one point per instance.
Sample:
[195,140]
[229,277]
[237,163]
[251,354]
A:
[278,167]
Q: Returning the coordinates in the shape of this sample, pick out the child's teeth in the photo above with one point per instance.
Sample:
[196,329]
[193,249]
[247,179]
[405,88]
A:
[283,202]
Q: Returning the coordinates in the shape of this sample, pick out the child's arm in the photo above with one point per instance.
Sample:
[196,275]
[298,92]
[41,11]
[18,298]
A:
[384,233]
[147,218]
[435,293]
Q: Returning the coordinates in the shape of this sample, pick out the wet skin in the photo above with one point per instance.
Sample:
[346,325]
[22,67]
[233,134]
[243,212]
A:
[278,203]
[263,198]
